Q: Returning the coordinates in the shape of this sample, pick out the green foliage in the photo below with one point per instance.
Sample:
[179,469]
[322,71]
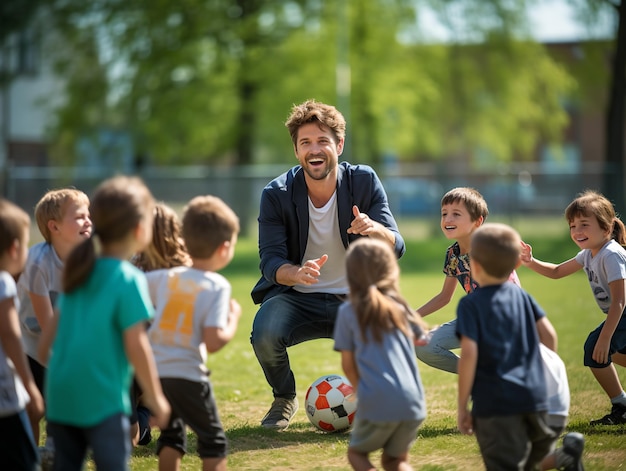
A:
[200,82]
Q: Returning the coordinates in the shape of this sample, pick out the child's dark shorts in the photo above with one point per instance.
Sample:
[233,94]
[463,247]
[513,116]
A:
[618,343]
[193,405]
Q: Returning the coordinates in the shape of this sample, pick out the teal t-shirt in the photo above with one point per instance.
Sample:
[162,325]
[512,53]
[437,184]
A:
[89,375]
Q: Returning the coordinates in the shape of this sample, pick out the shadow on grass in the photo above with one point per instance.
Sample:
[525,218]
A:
[247,437]
[426,431]
[587,429]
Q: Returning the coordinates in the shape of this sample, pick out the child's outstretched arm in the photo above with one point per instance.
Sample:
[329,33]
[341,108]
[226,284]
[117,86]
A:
[11,340]
[139,354]
[215,338]
[467,372]
[440,300]
[550,270]
[613,316]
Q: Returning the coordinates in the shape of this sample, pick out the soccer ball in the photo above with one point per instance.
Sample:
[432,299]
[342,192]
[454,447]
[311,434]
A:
[329,403]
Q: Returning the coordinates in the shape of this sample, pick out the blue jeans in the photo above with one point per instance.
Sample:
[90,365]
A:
[109,441]
[437,352]
[285,320]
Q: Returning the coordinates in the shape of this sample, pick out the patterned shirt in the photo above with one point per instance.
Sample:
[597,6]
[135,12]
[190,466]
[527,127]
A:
[458,266]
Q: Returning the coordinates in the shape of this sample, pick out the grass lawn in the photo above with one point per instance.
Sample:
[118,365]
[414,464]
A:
[243,396]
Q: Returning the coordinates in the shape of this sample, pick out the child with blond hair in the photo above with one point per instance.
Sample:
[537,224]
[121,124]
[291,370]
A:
[62,217]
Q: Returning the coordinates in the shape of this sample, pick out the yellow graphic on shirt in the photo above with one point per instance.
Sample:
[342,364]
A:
[175,324]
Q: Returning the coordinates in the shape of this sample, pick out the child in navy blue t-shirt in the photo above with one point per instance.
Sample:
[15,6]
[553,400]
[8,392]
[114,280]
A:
[500,327]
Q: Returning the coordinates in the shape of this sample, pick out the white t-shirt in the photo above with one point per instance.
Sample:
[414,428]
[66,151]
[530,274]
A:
[324,238]
[13,395]
[186,300]
[608,265]
[42,276]
[556,384]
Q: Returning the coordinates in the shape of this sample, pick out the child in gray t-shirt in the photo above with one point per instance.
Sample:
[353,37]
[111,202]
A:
[376,332]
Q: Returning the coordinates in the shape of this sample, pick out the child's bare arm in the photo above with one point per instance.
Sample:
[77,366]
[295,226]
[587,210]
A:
[547,333]
[140,356]
[440,300]
[550,270]
[215,338]
[47,338]
[11,340]
[348,364]
[613,316]
[42,308]
[467,372]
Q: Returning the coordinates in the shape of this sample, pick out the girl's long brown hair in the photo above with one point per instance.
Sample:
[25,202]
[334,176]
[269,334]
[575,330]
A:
[167,248]
[373,277]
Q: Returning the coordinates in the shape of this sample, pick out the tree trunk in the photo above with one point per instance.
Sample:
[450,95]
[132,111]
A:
[614,168]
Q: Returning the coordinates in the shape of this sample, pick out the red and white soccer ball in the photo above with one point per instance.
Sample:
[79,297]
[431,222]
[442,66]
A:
[330,404]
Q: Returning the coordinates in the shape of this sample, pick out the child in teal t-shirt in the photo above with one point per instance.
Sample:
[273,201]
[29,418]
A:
[100,333]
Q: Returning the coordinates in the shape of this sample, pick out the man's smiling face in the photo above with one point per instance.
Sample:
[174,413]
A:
[317,150]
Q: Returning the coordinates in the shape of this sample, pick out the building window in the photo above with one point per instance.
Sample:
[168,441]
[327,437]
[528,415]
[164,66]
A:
[27,52]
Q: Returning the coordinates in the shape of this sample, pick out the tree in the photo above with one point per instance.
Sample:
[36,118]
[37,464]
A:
[212,81]
[615,175]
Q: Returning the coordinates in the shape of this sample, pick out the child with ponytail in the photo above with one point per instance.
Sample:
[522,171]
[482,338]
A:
[100,332]
[375,332]
[601,236]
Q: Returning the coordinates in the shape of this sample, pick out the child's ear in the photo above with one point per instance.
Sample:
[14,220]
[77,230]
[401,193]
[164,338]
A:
[52,225]
[225,246]
[14,249]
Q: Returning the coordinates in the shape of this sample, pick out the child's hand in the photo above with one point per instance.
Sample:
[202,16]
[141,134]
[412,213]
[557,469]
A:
[160,412]
[527,253]
[235,309]
[601,350]
[422,339]
[35,408]
[465,422]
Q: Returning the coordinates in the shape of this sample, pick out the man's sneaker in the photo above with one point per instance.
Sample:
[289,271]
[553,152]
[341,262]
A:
[616,417]
[280,413]
[573,445]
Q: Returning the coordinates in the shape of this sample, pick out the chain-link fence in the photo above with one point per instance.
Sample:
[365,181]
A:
[413,190]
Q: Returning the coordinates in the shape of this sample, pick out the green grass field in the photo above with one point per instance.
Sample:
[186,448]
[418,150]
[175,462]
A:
[243,396]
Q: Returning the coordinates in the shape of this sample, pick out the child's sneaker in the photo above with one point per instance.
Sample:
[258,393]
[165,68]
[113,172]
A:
[143,419]
[573,445]
[46,456]
[616,417]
